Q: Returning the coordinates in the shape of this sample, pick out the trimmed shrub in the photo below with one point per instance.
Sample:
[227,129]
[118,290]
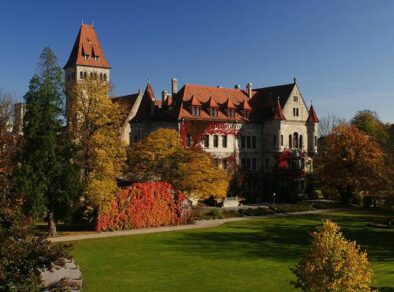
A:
[291,208]
[143,205]
[255,211]
[213,214]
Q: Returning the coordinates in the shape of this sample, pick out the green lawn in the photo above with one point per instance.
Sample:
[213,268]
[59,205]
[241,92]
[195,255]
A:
[253,255]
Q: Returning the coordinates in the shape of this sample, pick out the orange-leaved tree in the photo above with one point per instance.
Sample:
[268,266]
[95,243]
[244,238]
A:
[350,161]
[333,263]
[160,156]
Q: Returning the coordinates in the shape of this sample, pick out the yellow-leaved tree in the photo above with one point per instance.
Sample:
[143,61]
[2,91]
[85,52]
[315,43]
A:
[333,263]
[96,131]
[160,156]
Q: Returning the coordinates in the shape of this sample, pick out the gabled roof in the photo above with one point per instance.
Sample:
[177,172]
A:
[87,43]
[126,102]
[245,106]
[148,102]
[229,104]
[278,113]
[312,115]
[194,101]
[212,103]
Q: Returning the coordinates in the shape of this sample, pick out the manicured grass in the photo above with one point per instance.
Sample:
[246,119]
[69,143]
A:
[253,255]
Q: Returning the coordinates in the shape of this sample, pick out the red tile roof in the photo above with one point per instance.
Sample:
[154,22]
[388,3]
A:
[245,106]
[212,103]
[229,104]
[87,43]
[312,115]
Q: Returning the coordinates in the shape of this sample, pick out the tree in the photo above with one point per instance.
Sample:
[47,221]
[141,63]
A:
[333,263]
[160,156]
[329,122]
[101,154]
[23,253]
[350,161]
[46,176]
[368,122]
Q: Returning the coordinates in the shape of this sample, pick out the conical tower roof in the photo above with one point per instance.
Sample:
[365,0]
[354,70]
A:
[87,50]
[278,113]
[312,115]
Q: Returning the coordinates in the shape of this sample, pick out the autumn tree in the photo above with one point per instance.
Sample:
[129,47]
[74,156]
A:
[101,154]
[369,123]
[161,157]
[332,263]
[46,176]
[350,161]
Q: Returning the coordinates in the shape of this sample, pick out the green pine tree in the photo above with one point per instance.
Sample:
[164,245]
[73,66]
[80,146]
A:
[46,177]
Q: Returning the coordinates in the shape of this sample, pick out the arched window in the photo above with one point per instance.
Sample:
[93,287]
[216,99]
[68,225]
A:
[188,140]
[281,140]
[81,75]
[290,141]
[95,75]
[85,75]
[301,142]
[295,138]
[105,77]
[91,76]
[101,76]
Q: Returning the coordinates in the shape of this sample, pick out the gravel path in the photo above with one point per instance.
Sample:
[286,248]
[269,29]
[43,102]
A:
[197,225]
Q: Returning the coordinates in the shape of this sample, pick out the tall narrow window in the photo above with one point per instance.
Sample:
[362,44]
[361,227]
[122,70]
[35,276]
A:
[85,75]
[215,141]
[294,112]
[301,142]
[254,163]
[105,77]
[224,163]
[224,141]
[247,141]
[195,111]
[91,76]
[295,138]
[290,141]
[242,141]
[281,140]
[315,141]
[231,113]
[248,163]
[81,75]
[297,112]
[274,140]
[206,141]
[254,142]
[213,112]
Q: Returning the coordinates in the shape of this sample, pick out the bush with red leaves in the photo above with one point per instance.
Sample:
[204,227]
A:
[141,205]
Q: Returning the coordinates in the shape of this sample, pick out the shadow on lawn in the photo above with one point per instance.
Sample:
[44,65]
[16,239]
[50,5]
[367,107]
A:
[281,239]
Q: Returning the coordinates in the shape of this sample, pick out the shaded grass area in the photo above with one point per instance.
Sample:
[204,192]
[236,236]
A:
[253,255]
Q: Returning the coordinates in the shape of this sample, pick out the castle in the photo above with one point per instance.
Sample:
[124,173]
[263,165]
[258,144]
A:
[250,125]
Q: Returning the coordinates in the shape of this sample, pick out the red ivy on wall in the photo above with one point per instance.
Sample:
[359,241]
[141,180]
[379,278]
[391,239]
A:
[143,205]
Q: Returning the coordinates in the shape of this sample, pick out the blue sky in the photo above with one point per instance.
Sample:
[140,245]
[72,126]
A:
[341,52]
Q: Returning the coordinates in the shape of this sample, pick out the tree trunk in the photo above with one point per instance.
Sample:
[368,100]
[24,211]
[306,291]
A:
[51,224]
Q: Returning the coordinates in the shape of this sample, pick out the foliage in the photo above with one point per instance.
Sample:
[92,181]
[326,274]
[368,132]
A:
[213,213]
[145,205]
[369,123]
[333,263]
[350,162]
[46,176]
[96,130]
[22,254]
[161,157]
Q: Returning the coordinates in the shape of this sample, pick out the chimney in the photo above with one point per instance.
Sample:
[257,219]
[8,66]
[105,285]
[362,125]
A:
[164,95]
[174,86]
[19,114]
[249,89]
[237,86]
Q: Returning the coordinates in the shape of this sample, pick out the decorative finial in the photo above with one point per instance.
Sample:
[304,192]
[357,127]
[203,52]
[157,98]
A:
[311,102]
[92,23]
[82,21]
[149,80]
[295,80]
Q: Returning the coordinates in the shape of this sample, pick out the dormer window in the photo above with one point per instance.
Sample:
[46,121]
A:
[213,112]
[231,113]
[195,110]
[96,58]
[245,114]
[86,56]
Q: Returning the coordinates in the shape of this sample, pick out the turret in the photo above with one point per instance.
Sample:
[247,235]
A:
[312,124]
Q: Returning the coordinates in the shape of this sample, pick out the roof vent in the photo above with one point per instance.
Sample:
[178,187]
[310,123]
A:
[237,86]
[219,86]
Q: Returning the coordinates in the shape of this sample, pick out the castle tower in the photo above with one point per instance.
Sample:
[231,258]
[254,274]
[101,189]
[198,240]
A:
[86,60]
[312,124]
